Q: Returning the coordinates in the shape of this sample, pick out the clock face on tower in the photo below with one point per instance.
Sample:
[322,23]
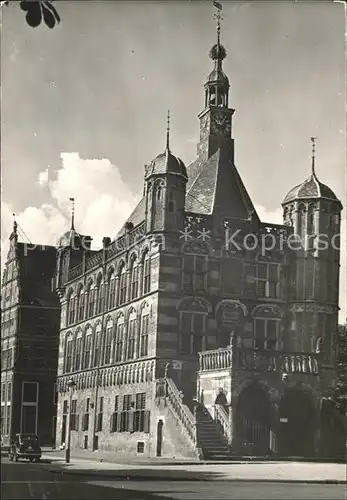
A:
[221,125]
[204,127]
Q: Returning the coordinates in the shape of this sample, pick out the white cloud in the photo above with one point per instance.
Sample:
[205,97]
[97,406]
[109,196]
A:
[42,179]
[103,203]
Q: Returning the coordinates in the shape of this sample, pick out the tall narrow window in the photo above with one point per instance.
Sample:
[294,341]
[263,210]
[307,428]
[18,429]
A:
[172,200]
[122,285]
[146,273]
[144,333]
[111,290]
[134,279]
[131,336]
[119,339]
[100,415]
[80,305]
[72,311]
[69,301]
[91,302]
[78,351]
[108,342]
[98,345]
[87,348]
[69,352]
[100,297]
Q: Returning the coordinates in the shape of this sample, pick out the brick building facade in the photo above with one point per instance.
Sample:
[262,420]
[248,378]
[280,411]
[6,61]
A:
[30,318]
[186,327]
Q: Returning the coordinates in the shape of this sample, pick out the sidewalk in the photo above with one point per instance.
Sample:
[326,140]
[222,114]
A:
[143,470]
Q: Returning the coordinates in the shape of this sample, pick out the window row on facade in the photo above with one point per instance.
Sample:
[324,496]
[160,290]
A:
[119,288]
[124,339]
[264,275]
[128,414]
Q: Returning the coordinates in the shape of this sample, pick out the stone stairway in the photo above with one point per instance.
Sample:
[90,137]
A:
[210,437]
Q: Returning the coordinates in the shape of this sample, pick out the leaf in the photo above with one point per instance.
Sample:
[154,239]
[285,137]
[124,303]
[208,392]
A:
[34,13]
[50,6]
[48,16]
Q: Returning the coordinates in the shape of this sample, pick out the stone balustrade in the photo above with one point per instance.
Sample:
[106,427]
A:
[218,359]
[258,360]
[175,401]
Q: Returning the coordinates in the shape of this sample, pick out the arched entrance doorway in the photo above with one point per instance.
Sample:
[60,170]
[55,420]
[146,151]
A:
[253,418]
[296,425]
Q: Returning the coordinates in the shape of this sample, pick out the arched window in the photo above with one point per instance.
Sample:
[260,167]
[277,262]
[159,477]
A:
[119,339]
[310,221]
[159,191]
[122,285]
[87,348]
[266,332]
[134,279]
[193,326]
[100,295]
[80,304]
[70,308]
[144,331]
[111,290]
[131,335]
[68,354]
[97,345]
[108,342]
[78,350]
[91,302]
[146,286]
[301,222]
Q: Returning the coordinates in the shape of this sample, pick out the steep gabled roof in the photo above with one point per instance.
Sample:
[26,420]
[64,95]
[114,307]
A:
[218,188]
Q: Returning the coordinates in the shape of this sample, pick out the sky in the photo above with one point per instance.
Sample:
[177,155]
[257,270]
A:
[84,105]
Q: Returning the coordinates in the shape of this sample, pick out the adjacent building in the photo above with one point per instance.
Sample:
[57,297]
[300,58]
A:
[30,320]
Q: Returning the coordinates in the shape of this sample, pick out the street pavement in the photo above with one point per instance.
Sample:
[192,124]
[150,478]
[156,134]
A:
[23,480]
[247,471]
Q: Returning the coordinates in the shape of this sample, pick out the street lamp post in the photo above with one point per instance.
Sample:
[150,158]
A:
[71,384]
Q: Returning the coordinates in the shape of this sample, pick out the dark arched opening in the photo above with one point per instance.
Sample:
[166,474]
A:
[253,419]
[296,425]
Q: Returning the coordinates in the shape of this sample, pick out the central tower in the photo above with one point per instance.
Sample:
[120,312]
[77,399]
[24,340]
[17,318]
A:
[216,118]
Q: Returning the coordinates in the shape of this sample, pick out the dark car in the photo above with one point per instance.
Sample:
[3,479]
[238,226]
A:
[25,446]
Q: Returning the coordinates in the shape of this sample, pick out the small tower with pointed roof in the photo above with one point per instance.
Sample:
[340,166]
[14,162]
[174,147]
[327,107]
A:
[165,186]
[314,211]
[216,117]
[70,247]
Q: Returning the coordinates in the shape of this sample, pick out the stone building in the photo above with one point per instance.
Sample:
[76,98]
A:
[30,319]
[201,330]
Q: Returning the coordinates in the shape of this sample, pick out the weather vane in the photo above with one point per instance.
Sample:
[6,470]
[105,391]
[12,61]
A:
[219,18]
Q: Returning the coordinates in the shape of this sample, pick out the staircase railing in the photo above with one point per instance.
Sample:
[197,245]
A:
[174,399]
[222,418]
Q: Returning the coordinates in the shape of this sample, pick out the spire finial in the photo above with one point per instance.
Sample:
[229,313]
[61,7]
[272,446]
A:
[15,225]
[168,131]
[313,140]
[72,213]
[219,18]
